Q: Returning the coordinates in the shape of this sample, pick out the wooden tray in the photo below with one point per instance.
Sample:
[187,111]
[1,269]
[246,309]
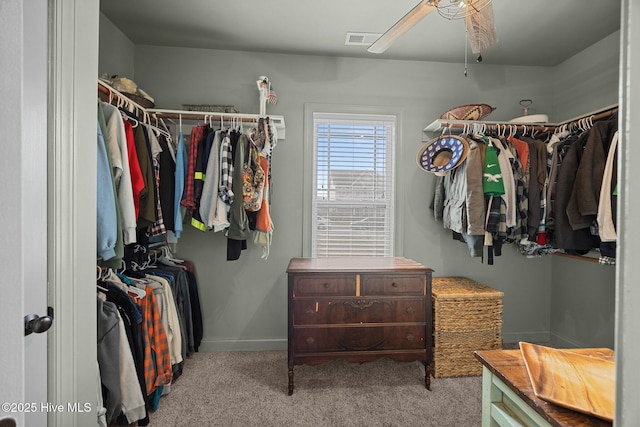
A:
[583,383]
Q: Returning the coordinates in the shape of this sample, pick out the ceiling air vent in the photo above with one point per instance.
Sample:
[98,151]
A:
[361,39]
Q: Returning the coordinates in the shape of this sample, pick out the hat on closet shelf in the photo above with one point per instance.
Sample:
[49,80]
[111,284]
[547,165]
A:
[442,154]
[130,89]
[468,112]
[526,117]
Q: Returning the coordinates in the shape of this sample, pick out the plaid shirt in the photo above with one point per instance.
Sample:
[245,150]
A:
[226,171]
[158,228]
[197,136]
[518,232]
[157,360]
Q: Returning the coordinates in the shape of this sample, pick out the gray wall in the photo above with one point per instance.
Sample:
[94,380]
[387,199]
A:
[583,293]
[582,303]
[244,301]
[587,81]
[116,53]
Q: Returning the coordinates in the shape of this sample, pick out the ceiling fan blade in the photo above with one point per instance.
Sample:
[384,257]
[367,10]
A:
[481,29]
[414,16]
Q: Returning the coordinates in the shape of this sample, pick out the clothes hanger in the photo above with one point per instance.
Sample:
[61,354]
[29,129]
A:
[109,94]
[136,292]
[109,276]
[134,122]
[161,131]
[168,256]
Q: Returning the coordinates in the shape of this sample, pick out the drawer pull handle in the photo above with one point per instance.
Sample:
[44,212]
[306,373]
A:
[410,337]
[410,310]
[310,340]
[394,284]
[325,285]
[309,312]
[361,304]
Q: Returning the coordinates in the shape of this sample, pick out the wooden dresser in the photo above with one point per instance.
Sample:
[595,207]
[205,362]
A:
[359,309]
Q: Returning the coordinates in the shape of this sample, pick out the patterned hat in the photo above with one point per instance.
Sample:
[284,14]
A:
[468,112]
[443,154]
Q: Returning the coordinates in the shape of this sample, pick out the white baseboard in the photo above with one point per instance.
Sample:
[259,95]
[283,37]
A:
[263,344]
[562,342]
[243,344]
[514,337]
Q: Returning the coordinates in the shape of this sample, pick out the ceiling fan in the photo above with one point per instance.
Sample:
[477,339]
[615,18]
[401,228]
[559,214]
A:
[478,16]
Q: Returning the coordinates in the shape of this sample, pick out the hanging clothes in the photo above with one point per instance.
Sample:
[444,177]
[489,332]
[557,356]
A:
[583,202]
[117,141]
[147,214]
[166,182]
[542,196]
[238,231]
[181,170]
[106,204]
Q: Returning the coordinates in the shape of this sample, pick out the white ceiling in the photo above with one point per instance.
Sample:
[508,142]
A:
[530,32]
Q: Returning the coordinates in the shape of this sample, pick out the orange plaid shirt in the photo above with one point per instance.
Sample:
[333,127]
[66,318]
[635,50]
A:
[157,362]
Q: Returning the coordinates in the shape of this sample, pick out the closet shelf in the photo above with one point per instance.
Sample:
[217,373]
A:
[277,121]
[159,113]
[577,257]
[440,125]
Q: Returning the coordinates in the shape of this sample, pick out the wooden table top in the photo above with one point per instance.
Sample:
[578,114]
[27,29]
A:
[355,264]
[509,366]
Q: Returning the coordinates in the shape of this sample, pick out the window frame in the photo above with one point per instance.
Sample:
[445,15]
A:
[309,168]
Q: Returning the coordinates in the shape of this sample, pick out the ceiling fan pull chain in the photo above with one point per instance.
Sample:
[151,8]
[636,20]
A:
[466,43]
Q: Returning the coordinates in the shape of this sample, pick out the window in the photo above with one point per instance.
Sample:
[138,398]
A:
[352,186]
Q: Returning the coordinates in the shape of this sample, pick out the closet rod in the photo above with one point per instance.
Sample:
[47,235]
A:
[198,115]
[507,126]
[440,125]
[159,113]
[111,93]
[602,114]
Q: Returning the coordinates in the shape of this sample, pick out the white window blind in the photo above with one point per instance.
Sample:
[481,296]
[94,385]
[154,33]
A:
[353,182]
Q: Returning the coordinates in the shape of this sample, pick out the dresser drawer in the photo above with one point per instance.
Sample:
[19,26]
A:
[312,340]
[358,310]
[393,284]
[340,285]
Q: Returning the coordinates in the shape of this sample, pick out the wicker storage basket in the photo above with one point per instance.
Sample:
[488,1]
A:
[467,316]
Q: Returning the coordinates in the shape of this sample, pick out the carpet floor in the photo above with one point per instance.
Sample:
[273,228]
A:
[250,389]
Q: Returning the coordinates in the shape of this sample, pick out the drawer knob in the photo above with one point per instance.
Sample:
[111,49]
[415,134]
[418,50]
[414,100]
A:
[394,284]
[410,310]
[410,337]
[310,340]
[325,285]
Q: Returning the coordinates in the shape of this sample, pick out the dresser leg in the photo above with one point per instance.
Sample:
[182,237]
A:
[427,375]
[290,382]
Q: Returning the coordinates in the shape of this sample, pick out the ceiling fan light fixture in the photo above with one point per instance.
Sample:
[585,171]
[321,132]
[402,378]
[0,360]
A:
[458,9]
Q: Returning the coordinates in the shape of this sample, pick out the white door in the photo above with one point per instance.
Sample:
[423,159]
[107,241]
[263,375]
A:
[23,174]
